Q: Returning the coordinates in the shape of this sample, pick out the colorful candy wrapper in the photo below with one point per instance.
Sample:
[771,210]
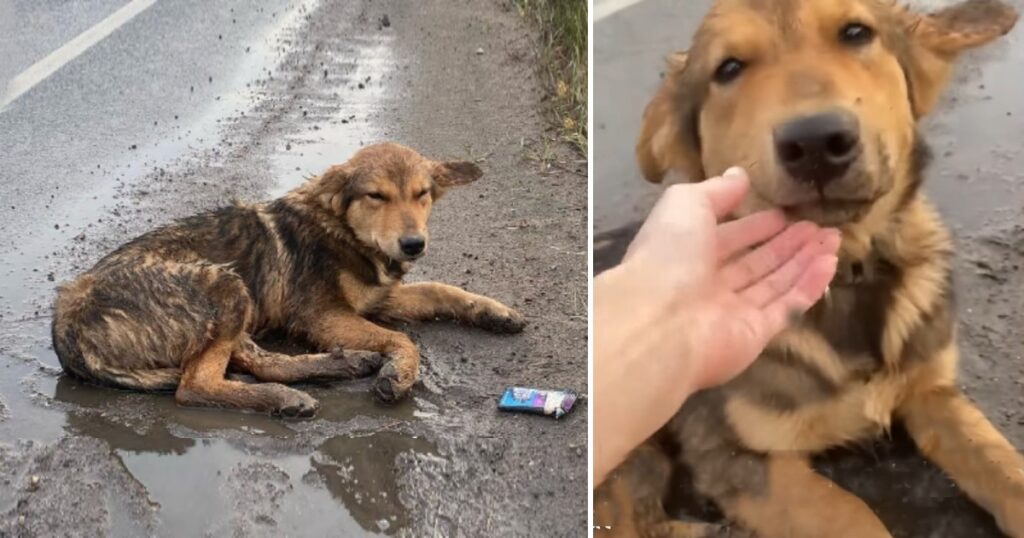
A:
[541,402]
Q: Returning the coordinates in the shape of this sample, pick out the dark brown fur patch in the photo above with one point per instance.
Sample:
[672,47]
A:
[721,467]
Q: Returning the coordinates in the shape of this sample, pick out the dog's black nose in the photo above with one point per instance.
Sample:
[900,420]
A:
[819,148]
[412,245]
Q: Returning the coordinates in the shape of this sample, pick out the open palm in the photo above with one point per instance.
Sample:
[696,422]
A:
[693,303]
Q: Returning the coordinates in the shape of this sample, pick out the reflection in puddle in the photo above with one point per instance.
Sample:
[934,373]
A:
[361,472]
[160,412]
[344,403]
[211,485]
[214,487]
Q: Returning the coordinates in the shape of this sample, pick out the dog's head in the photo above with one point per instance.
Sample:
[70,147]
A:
[383,196]
[817,99]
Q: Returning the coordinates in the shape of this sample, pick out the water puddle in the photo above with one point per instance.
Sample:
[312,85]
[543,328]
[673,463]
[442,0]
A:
[346,488]
[360,472]
[200,466]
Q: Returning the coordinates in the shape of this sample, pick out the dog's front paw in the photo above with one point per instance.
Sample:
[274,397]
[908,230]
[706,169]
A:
[296,403]
[501,319]
[360,363]
[389,387]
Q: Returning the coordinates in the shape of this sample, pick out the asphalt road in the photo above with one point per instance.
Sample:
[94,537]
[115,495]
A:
[190,104]
[976,180]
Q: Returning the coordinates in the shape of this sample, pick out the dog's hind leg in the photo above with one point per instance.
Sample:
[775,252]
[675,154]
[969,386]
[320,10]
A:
[774,494]
[203,384]
[203,380]
[278,367]
[781,496]
[630,501]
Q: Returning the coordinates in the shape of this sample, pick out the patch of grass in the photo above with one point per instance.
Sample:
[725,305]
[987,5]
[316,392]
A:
[563,27]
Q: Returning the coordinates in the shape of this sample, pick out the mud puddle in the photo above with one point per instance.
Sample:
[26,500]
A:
[346,487]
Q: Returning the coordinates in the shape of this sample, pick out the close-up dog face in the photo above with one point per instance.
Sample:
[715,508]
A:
[385,194]
[817,99]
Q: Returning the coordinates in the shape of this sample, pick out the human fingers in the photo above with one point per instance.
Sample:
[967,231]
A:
[780,281]
[725,193]
[808,290]
[754,265]
[738,235]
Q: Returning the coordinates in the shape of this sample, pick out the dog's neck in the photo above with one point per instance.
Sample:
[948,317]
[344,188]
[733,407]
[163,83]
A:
[913,237]
[854,272]
[333,226]
[903,229]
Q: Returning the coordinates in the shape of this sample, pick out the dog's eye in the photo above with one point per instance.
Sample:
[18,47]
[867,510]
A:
[422,193]
[728,70]
[856,34]
[376,196]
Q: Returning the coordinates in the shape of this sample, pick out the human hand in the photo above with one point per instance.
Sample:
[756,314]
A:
[691,306]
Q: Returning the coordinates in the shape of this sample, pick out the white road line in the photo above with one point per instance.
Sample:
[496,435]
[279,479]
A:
[42,69]
[607,8]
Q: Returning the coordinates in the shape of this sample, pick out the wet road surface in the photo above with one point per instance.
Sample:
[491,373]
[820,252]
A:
[192,104]
[976,180]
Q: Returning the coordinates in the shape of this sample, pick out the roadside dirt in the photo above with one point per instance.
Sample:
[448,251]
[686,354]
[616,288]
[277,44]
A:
[452,79]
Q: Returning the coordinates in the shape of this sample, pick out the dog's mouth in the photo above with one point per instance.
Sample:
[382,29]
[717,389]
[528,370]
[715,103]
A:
[396,255]
[820,208]
[829,211]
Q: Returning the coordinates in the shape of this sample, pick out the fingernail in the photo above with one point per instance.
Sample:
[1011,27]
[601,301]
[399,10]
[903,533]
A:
[734,173]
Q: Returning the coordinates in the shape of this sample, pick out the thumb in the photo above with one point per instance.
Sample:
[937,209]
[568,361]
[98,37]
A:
[726,192]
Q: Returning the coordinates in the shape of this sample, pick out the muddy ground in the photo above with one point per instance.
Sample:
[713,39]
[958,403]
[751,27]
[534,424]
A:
[453,78]
[977,181]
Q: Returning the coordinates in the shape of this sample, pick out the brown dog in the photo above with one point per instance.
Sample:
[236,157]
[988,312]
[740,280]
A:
[819,101]
[175,308]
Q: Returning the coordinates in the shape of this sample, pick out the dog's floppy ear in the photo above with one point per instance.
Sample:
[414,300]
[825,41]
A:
[669,138]
[332,190]
[937,39]
[451,173]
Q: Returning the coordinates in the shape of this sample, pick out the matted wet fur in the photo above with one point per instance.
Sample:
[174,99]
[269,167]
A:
[819,101]
[175,308]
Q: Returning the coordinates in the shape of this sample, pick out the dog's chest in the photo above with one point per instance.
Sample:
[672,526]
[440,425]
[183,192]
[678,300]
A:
[858,411]
[366,297]
[823,383]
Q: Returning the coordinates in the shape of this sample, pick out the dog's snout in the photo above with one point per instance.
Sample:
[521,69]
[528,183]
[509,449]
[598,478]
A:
[412,245]
[819,148]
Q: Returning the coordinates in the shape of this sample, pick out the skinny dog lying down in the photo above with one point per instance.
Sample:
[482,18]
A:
[175,308]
